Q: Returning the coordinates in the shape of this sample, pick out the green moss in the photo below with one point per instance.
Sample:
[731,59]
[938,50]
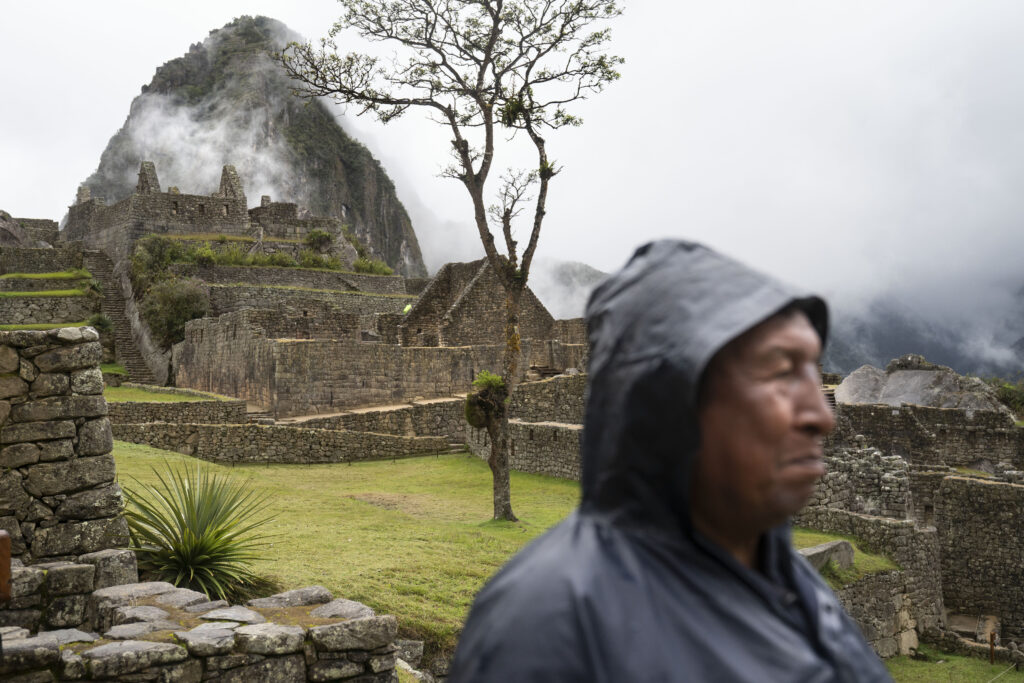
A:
[113,369]
[344,292]
[76,274]
[40,326]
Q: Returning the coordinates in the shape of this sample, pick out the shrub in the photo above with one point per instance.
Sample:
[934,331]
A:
[172,303]
[1010,394]
[347,233]
[319,240]
[101,323]
[282,260]
[371,266]
[489,400]
[151,260]
[204,255]
[200,531]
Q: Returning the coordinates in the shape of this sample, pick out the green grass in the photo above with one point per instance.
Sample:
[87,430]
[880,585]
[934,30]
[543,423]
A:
[122,394]
[218,237]
[411,537]
[320,291]
[1020,423]
[864,563]
[975,473]
[40,326]
[78,274]
[939,667]
[46,292]
[113,369]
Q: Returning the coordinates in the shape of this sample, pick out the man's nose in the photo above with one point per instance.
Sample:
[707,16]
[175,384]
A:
[814,412]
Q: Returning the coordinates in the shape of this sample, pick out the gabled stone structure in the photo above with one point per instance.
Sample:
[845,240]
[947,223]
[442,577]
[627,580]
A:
[464,305]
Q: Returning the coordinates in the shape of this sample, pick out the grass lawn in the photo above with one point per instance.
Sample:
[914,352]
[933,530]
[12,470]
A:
[79,274]
[113,369]
[122,394]
[411,537]
[939,667]
[40,326]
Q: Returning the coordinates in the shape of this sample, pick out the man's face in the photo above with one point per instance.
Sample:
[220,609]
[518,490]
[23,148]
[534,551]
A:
[762,419]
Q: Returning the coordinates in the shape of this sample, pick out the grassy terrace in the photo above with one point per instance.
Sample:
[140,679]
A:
[409,537]
[864,563]
[217,237]
[46,292]
[122,394]
[77,274]
[932,666]
[40,326]
[320,291]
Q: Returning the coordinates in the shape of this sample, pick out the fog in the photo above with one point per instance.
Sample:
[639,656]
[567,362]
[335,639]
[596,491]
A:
[871,151]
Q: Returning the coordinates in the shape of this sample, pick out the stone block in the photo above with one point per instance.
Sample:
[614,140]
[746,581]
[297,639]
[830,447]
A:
[232,661]
[68,358]
[92,504]
[59,449]
[88,381]
[68,578]
[26,581]
[37,431]
[381,663]
[236,613]
[180,598]
[839,551]
[334,670]
[12,385]
[25,618]
[95,437]
[72,667]
[8,360]
[134,614]
[365,633]
[59,408]
[67,636]
[73,538]
[285,669]
[27,371]
[310,595]
[139,629]
[206,606]
[269,639]
[27,654]
[19,455]
[342,609]
[208,642]
[13,498]
[50,384]
[410,651]
[129,656]
[114,567]
[47,479]
[66,611]
[10,524]
[5,411]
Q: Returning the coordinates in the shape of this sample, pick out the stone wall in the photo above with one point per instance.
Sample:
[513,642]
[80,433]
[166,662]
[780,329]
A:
[979,530]
[55,595]
[41,229]
[932,436]
[570,331]
[547,448]
[915,549]
[864,480]
[230,298]
[316,320]
[200,412]
[292,277]
[439,417]
[58,494]
[229,355]
[924,488]
[20,310]
[35,284]
[276,444]
[155,632]
[559,399]
[18,260]
[883,609]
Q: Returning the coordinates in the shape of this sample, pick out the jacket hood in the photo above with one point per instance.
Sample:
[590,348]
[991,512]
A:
[653,328]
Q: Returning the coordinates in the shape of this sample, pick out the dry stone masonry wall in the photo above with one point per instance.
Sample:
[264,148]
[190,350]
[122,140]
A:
[276,444]
[24,310]
[440,417]
[20,260]
[230,298]
[199,412]
[293,277]
[58,496]
[865,481]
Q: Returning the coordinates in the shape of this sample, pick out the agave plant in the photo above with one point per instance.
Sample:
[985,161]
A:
[198,530]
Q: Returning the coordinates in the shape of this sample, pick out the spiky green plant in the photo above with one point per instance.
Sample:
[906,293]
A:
[199,530]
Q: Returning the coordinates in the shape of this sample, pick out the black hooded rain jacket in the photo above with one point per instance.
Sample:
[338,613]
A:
[624,590]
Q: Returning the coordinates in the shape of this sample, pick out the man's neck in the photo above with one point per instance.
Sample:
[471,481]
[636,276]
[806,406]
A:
[742,546]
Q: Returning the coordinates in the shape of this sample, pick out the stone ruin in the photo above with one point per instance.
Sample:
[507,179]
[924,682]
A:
[77,610]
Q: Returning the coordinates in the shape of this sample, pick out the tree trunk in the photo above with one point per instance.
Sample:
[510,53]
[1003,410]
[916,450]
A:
[497,428]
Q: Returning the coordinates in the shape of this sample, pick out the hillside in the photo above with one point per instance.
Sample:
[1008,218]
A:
[226,102]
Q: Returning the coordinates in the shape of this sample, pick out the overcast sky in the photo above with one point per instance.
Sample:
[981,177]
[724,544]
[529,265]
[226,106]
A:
[852,147]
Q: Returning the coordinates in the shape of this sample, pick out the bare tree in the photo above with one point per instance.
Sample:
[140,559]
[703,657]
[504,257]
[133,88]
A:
[477,66]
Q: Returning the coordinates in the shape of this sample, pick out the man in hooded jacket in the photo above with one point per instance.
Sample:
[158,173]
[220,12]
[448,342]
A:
[702,435]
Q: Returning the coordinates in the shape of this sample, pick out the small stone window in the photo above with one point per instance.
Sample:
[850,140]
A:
[202,209]
[224,211]
[174,208]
